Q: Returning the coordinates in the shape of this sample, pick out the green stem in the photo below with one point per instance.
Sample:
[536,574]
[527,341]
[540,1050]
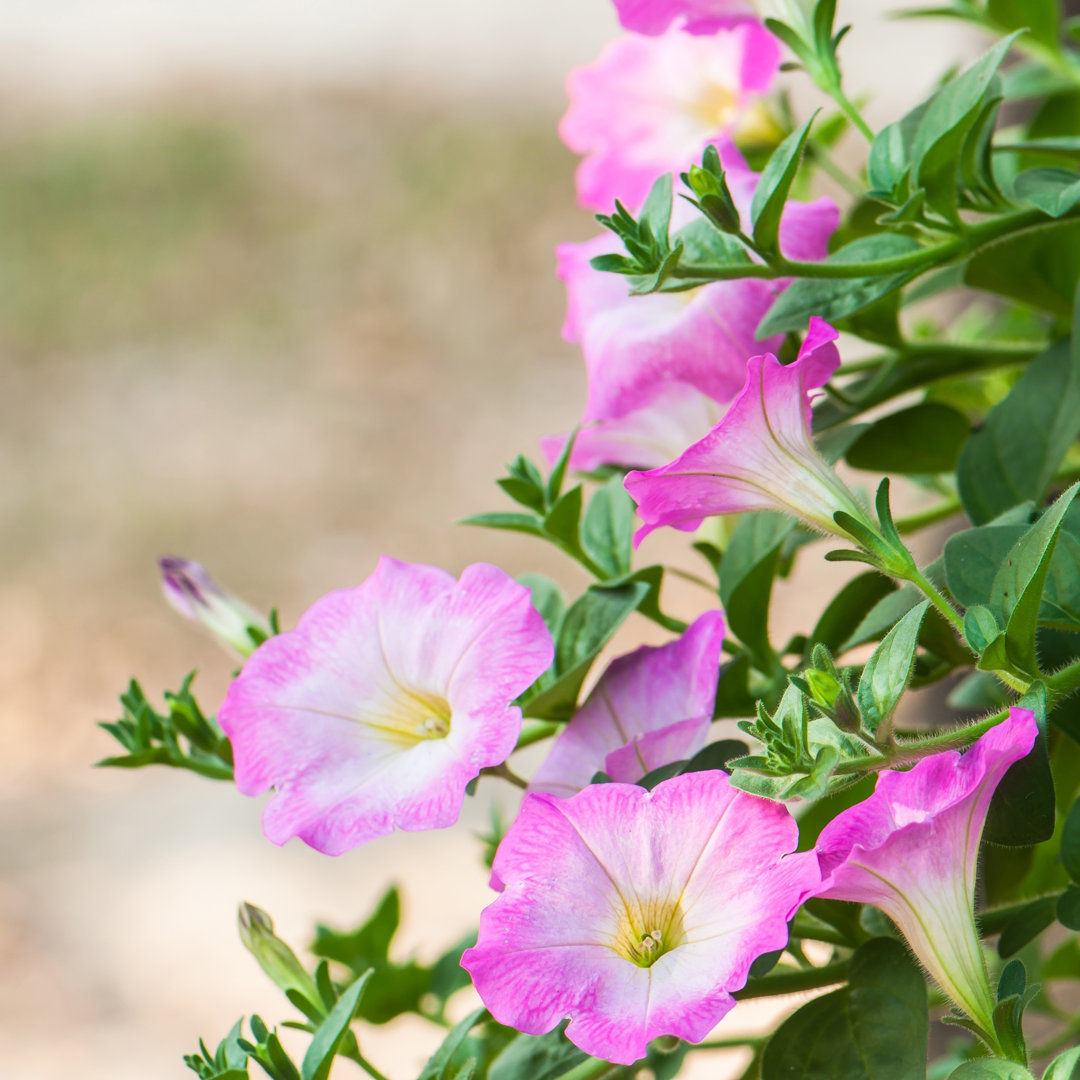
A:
[730,1044]
[364,1064]
[994,920]
[976,236]
[535,732]
[793,982]
[1063,682]
[918,579]
[589,1070]
[930,516]
[850,111]
[504,772]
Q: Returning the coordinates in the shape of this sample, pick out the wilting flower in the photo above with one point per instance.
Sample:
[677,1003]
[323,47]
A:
[648,106]
[649,708]
[912,849]
[191,591]
[761,456]
[694,16]
[384,702]
[636,913]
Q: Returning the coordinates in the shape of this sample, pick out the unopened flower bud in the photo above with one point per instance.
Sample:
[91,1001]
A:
[191,591]
[275,957]
[714,197]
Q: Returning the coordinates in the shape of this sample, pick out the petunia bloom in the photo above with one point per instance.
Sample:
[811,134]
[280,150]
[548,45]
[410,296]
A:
[639,349]
[193,593]
[761,456]
[693,16]
[649,708]
[912,849]
[636,913]
[384,702]
[650,105]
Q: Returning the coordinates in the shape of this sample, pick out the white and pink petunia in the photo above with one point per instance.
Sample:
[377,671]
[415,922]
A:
[693,16]
[649,708]
[650,105]
[912,849]
[636,913]
[384,702]
[761,456]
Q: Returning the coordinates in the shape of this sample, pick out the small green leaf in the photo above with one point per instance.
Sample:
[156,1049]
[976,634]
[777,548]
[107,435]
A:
[990,1069]
[980,628]
[889,670]
[1054,191]
[564,517]
[439,1064]
[607,529]
[1026,925]
[525,523]
[875,1028]
[773,187]
[326,1040]
[836,298]
[1065,1066]
[656,212]
[1070,842]
[1068,908]
[924,438]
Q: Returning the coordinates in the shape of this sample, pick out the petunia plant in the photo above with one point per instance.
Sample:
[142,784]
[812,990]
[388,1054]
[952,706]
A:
[804,340]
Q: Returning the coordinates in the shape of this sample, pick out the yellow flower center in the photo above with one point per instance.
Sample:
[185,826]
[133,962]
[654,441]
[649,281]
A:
[648,930]
[716,106]
[412,717]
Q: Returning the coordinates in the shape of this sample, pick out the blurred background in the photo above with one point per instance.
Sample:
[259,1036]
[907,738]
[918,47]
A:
[277,293]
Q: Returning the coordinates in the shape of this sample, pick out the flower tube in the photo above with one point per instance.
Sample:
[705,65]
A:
[761,456]
[649,708]
[384,702]
[912,850]
[636,913]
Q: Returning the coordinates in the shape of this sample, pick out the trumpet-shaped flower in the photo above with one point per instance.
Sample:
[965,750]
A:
[636,913]
[192,592]
[761,456]
[384,702]
[649,708]
[912,850]
[694,16]
[650,105]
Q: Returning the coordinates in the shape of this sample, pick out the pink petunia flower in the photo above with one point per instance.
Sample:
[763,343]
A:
[649,708]
[912,850]
[650,105]
[636,913]
[694,16]
[384,702]
[761,456]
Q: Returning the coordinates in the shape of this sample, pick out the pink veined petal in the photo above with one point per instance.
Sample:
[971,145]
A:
[650,105]
[573,869]
[694,16]
[642,693]
[653,749]
[384,702]
[761,455]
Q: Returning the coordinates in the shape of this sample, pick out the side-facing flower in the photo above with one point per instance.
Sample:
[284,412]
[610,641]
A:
[761,456]
[192,592]
[636,913]
[650,105]
[912,849]
[649,708]
[694,16]
[384,702]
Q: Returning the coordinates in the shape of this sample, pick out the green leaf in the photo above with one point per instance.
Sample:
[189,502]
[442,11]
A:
[1041,17]
[1015,454]
[1068,908]
[607,529]
[890,152]
[981,629]
[326,1040]
[1070,842]
[537,1057]
[547,598]
[875,1028]
[836,298]
[889,670]
[924,438]
[1022,811]
[563,518]
[1017,588]
[1054,191]
[990,1069]
[586,627]
[747,573]
[773,187]
[525,523]
[1065,1066]
[848,609]
[950,113]
[1026,925]
[439,1064]
[656,212]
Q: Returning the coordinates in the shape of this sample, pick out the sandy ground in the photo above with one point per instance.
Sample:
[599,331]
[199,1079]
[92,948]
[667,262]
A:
[257,309]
